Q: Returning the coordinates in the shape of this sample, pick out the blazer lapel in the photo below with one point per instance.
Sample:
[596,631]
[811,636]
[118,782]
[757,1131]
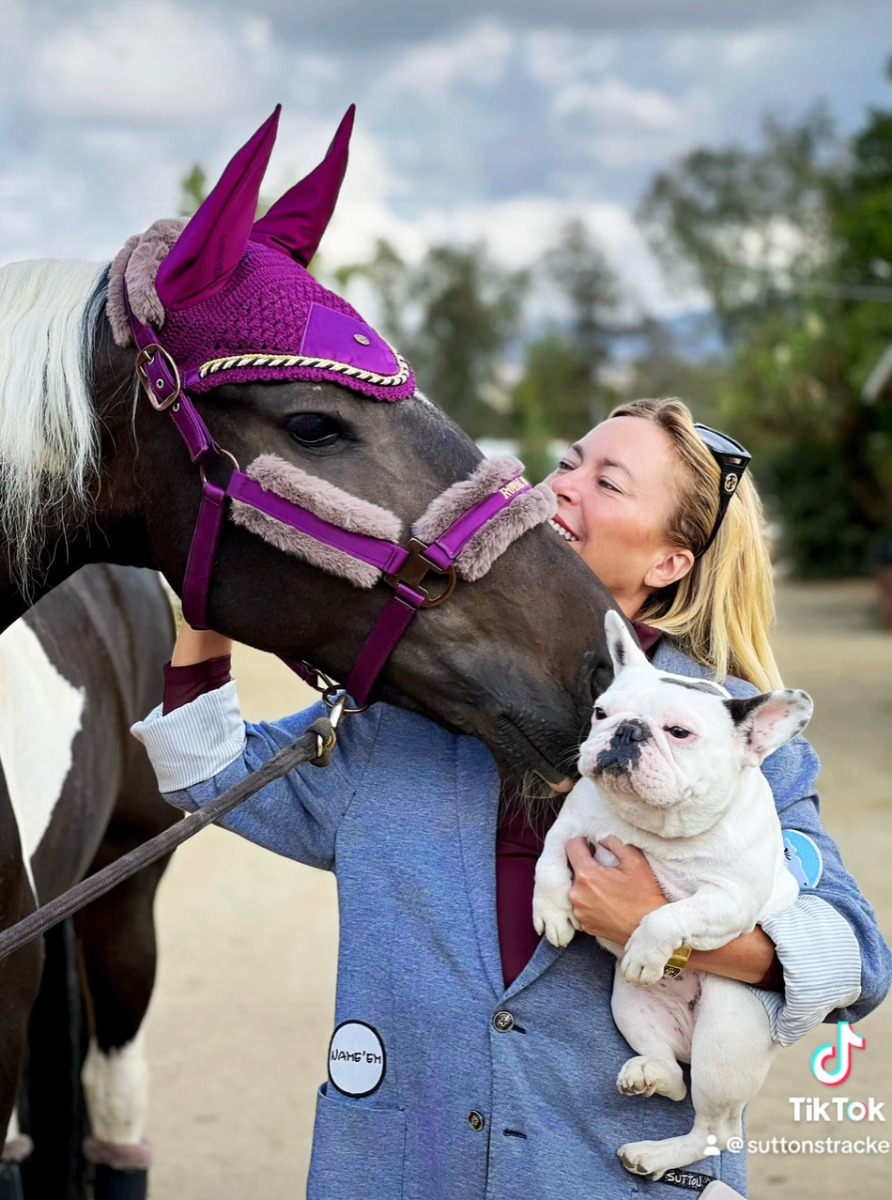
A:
[477,796]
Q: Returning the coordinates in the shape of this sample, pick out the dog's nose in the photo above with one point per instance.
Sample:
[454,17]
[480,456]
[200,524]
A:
[631,731]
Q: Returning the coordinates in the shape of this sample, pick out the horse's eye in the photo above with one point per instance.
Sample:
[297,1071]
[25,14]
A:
[315,429]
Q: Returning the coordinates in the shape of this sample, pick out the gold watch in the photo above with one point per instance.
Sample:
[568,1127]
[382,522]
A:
[678,960]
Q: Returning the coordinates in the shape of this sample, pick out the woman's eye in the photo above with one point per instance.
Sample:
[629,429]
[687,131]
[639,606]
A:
[600,714]
[678,731]
[563,465]
[315,429]
[608,486]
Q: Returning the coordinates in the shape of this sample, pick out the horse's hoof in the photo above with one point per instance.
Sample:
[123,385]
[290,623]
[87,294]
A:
[11,1182]
[112,1184]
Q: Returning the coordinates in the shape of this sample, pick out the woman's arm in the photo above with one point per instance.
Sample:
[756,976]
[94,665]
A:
[198,645]
[610,903]
[201,748]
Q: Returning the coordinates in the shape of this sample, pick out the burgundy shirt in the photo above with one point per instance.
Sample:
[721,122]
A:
[518,839]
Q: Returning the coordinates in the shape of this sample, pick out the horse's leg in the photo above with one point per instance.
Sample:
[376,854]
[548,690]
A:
[117,934]
[19,984]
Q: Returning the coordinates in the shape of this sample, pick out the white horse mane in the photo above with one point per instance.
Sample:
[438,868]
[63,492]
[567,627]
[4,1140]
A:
[49,441]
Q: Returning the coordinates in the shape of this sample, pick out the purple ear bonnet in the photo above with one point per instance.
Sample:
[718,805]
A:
[231,298]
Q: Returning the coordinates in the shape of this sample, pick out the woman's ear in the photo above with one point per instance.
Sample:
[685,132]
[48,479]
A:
[669,569]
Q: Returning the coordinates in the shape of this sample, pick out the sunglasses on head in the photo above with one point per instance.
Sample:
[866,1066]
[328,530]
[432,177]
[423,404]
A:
[733,461]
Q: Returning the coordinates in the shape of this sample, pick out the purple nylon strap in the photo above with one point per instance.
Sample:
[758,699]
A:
[200,564]
[386,556]
[398,614]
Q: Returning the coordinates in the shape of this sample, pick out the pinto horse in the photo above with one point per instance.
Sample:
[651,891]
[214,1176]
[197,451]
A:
[266,366]
[76,791]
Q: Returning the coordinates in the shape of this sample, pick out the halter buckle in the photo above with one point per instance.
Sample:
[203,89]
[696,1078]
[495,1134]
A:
[157,384]
[416,568]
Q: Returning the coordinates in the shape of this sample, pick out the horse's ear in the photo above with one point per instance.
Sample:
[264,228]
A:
[206,253]
[296,222]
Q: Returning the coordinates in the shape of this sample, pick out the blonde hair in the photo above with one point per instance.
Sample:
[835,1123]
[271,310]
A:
[722,611]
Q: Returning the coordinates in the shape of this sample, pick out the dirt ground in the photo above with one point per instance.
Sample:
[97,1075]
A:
[242,1013]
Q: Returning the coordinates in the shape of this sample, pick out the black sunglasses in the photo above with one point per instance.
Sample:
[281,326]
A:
[733,461]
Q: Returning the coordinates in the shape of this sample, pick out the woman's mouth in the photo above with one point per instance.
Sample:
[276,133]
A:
[567,534]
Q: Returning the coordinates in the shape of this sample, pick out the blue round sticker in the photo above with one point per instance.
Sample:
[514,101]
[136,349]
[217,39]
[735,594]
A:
[803,858]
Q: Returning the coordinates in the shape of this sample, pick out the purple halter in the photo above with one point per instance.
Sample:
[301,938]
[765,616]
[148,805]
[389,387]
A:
[405,569]
[236,303]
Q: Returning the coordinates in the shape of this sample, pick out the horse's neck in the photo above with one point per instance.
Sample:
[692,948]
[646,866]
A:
[122,543]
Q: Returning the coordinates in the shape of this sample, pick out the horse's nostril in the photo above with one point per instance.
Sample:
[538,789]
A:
[597,675]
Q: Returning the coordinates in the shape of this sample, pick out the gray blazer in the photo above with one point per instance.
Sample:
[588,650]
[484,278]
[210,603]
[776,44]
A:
[482,1093]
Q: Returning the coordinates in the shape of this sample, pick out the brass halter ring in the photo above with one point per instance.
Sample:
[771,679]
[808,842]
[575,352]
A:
[226,454]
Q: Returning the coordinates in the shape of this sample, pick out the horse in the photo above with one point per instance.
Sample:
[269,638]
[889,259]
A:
[76,791]
[255,362]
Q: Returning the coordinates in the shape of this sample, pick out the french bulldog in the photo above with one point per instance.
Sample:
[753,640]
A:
[671,765]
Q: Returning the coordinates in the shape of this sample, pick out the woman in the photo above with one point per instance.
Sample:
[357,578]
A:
[469,1059]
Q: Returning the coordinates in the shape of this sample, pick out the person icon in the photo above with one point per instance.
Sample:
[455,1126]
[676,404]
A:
[711,1146]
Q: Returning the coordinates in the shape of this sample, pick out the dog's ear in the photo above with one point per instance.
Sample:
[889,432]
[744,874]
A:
[624,650]
[764,723]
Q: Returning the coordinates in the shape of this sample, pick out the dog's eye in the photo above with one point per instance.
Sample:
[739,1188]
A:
[678,731]
[600,714]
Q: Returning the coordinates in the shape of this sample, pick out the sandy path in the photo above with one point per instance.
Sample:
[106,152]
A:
[242,1013]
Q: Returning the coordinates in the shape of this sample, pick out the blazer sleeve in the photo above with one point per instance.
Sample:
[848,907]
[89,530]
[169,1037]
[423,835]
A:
[204,748]
[836,963]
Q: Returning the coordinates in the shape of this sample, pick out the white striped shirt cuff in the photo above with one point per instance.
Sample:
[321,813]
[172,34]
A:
[194,742]
[821,960]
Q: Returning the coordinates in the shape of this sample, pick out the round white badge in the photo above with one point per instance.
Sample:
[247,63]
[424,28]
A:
[356,1059]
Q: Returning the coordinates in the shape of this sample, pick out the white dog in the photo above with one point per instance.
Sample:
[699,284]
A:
[672,766]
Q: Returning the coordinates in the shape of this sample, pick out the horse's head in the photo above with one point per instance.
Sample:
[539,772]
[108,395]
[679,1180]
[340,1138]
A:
[294,386]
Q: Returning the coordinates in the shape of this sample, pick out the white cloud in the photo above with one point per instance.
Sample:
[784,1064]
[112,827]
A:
[146,61]
[478,55]
[557,57]
[618,104]
[751,49]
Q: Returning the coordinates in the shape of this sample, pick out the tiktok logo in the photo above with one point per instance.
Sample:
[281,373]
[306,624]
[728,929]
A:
[839,1053]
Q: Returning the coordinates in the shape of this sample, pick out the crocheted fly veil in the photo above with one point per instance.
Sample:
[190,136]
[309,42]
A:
[230,298]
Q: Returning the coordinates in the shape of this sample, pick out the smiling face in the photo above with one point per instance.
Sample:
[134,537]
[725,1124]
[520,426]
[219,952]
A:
[616,490]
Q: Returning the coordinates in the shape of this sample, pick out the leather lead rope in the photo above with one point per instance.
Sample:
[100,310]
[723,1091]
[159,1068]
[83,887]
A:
[314,747]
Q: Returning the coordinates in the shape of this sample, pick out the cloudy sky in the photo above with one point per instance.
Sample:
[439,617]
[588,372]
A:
[492,118]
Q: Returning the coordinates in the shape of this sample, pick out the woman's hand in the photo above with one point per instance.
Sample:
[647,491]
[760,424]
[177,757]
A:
[198,645]
[610,902]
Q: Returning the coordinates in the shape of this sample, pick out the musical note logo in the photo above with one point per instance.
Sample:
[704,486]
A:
[839,1054]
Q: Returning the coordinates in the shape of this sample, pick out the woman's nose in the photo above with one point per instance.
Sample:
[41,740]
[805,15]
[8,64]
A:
[563,484]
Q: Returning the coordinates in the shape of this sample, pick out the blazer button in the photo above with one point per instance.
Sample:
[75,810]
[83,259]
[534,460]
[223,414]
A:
[476,1120]
[503,1022]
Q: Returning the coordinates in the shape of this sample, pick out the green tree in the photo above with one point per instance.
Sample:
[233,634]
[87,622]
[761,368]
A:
[193,190]
[590,289]
[780,239]
[740,224]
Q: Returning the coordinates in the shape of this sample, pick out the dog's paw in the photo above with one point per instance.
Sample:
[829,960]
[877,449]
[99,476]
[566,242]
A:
[644,1158]
[641,971]
[643,1076]
[554,919]
[644,958]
